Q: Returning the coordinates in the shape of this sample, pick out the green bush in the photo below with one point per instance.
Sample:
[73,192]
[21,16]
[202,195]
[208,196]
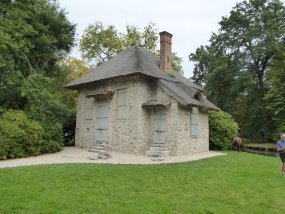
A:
[53,138]
[223,129]
[19,136]
[22,137]
[51,147]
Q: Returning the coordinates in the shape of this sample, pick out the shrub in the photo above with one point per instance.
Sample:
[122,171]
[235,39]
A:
[53,138]
[19,136]
[69,129]
[223,129]
[51,147]
[45,106]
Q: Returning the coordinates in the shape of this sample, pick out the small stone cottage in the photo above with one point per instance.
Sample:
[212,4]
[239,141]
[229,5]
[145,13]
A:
[131,104]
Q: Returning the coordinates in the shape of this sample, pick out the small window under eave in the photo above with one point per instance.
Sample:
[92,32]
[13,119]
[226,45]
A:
[198,96]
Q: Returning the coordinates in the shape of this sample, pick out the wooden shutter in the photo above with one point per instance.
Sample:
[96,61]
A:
[122,111]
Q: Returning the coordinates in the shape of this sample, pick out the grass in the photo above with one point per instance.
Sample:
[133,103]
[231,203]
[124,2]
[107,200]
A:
[255,141]
[263,145]
[236,183]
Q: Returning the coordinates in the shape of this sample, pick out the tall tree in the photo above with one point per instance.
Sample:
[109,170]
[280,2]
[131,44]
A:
[275,97]
[75,68]
[201,67]
[34,35]
[248,40]
[99,43]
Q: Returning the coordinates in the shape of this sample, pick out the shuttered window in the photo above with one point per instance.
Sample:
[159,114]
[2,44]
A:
[194,123]
[88,114]
[122,111]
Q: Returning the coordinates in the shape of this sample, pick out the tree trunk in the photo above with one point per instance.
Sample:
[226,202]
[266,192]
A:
[264,128]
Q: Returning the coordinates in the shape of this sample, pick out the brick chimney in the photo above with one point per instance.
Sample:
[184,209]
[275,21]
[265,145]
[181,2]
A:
[165,51]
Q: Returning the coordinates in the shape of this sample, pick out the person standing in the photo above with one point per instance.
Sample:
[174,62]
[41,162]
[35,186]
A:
[237,142]
[280,147]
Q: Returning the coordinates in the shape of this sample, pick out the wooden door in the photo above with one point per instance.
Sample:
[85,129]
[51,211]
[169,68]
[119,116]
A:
[159,129]
[102,122]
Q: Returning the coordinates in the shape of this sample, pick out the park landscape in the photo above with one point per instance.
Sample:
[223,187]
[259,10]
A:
[241,72]
[233,183]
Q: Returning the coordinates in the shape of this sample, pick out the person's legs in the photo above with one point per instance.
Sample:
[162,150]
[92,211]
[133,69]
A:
[282,157]
[238,147]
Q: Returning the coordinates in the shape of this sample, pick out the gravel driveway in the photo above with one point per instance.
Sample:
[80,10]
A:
[78,155]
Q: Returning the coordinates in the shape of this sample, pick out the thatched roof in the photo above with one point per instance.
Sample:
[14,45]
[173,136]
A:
[137,60]
[130,61]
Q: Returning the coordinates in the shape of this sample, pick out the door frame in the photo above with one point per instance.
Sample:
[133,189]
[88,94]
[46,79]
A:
[162,128]
[98,104]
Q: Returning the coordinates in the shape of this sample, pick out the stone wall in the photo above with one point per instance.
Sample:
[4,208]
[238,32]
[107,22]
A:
[134,134]
[186,144]
[123,134]
[171,121]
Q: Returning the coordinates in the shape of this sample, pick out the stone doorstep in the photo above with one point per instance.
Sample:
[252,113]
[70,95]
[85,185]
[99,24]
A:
[97,149]
[157,151]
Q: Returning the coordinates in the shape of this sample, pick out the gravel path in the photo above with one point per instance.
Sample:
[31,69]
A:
[77,155]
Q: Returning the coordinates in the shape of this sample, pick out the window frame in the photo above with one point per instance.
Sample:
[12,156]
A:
[122,107]
[89,106]
[194,123]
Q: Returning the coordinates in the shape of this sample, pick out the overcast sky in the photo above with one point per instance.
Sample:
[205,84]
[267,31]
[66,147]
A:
[190,21]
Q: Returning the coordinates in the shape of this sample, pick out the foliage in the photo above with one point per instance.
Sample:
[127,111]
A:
[202,57]
[76,68]
[223,129]
[53,138]
[275,97]
[19,136]
[235,64]
[99,43]
[228,183]
[176,63]
[34,34]
[68,128]
[45,106]
[41,98]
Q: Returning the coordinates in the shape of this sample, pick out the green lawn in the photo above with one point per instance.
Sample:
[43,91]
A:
[263,145]
[236,183]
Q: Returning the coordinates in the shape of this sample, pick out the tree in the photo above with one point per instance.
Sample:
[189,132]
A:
[34,35]
[176,63]
[202,59]
[100,43]
[275,97]
[75,68]
[247,42]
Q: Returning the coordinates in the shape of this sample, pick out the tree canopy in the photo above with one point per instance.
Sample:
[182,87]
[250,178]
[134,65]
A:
[275,97]
[100,43]
[34,35]
[236,64]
